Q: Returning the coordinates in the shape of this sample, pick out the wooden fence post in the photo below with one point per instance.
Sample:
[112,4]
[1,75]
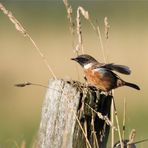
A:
[68,105]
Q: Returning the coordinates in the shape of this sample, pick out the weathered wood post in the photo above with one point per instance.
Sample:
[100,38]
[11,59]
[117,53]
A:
[68,107]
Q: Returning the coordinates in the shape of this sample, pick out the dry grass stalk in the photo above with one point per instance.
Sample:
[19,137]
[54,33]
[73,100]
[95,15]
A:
[29,83]
[140,141]
[117,122]
[95,142]
[17,24]
[131,138]
[107,27]
[42,56]
[85,130]
[113,110]
[124,120]
[80,11]
[132,135]
[96,29]
[69,17]
[101,43]
[98,33]
[105,118]
[21,29]
[85,135]
[112,130]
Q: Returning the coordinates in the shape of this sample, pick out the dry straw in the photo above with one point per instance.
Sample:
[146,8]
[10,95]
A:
[105,118]
[117,122]
[84,13]
[107,27]
[71,22]
[124,120]
[21,29]
[85,135]
[69,15]
[98,33]
[131,138]
[95,142]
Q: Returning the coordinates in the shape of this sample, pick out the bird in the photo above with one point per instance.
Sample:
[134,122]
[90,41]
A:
[101,75]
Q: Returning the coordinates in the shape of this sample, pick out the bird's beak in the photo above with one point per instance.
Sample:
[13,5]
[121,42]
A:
[74,59]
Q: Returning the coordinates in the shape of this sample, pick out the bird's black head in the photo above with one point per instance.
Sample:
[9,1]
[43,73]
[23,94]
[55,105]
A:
[84,59]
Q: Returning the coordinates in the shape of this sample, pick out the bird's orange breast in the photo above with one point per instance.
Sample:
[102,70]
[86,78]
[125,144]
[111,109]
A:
[97,79]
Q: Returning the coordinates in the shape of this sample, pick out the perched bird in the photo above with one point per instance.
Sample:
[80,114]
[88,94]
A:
[101,75]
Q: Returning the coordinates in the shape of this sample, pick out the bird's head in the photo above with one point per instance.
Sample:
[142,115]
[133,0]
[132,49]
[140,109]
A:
[85,60]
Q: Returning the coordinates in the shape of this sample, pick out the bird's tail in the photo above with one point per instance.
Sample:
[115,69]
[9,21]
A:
[132,85]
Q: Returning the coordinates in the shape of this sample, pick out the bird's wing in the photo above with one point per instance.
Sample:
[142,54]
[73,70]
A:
[118,68]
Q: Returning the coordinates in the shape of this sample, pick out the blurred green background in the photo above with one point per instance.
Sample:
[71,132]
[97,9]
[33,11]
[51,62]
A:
[46,22]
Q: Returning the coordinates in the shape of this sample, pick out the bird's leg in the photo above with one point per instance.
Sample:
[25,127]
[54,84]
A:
[86,82]
[85,78]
